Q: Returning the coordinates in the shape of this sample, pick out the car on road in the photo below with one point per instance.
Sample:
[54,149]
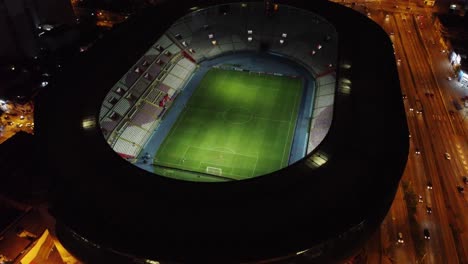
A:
[403,95]
[429,94]
[427,235]
[400,238]
[429,209]
[460,189]
[447,156]
[419,107]
[429,185]
[417,151]
[420,198]
[465,179]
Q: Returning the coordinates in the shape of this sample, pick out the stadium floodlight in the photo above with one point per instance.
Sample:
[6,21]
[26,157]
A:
[213,42]
[88,122]
[249,32]
[249,39]
[211,35]
[345,88]
[345,80]
[281,41]
[284,35]
[346,66]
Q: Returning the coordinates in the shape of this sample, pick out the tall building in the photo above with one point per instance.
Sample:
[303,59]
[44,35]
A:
[20,22]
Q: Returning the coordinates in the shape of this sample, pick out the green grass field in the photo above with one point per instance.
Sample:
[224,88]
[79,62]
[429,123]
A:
[236,125]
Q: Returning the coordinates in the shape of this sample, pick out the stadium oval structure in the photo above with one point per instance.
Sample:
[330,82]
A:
[319,209]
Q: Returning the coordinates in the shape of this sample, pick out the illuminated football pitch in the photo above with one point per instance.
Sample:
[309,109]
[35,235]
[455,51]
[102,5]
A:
[236,125]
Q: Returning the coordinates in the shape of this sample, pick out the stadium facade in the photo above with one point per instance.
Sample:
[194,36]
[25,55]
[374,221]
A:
[319,209]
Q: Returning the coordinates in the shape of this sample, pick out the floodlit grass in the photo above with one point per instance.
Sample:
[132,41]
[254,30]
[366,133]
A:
[236,125]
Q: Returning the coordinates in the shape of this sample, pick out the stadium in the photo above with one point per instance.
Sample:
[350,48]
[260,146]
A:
[226,133]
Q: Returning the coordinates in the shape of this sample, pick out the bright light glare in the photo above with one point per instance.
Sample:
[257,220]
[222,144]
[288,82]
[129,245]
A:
[317,160]
[47,27]
[151,261]
[346,66]
[301,252]
[249,39]
[345,80]
[281,41]
[213,42]
[88,123]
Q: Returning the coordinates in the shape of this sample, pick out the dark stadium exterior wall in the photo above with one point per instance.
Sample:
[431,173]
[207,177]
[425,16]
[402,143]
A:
[108,209]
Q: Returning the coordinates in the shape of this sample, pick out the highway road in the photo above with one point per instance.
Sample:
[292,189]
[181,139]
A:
[438,129]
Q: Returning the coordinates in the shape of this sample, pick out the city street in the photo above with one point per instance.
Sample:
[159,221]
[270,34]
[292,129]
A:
[438,143]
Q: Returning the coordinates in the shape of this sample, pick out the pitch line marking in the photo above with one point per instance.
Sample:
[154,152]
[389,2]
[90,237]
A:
[214,149]
[255,167]
[289,129]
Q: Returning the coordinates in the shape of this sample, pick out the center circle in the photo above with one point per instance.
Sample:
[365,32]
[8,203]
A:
[238,115]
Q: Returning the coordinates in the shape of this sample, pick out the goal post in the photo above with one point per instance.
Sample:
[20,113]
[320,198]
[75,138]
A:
[214,170]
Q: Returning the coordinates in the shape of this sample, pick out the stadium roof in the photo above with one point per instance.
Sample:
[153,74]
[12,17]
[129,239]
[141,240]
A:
[329,202]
